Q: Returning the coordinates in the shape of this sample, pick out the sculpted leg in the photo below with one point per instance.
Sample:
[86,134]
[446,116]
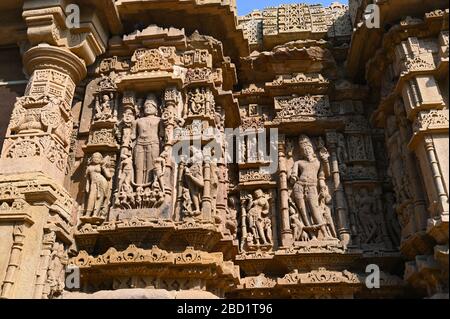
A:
[195,197]
[99,203]
[259,225]
[92,198]
[253,228]
[269,232]
[139,162]
[299,200]
[151,154]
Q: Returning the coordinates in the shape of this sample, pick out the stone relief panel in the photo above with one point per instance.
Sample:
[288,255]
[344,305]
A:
[311,211]
[155,190]
[305,21]
[257,226]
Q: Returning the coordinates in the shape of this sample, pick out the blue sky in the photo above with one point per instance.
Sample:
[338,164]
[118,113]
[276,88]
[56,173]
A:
[247,6]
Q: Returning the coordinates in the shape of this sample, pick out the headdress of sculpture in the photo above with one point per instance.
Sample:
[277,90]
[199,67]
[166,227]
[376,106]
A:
[151,105]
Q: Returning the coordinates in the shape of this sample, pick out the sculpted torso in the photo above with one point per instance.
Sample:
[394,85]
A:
[308,171]
[147,130]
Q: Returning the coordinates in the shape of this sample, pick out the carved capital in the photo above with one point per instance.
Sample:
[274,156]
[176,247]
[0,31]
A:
[45,56]
[48,23]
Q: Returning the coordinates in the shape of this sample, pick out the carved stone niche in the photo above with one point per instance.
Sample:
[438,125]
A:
[373,218]
[257,220]
[200,115]
[145,178]
[103,128]
[99,175]
[200,176]
[312,208]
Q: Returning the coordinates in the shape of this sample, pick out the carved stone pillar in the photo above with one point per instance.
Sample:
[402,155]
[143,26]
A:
[14,261]
[341,204]
[171,98]
[206,199]
[38,137]
[34,157]
[286,231]
[47,244]
[244,230]
[437,176]
[35,154]
[179,202]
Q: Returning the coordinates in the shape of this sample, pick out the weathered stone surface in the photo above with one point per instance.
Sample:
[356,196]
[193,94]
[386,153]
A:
[141,294]
[114,150]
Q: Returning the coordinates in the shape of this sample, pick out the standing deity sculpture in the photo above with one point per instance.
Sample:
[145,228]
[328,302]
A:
[56,270]
[193,183]
[308,179]
[143,172]
[98,175]
[258,218]
[147,133]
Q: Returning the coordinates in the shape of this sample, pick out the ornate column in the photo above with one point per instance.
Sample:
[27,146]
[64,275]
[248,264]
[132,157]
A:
[14,261]
[47,244]
[181,166]
[38,136]
[206,199]
[423,125]
[340,202]
[286,231]
[34,157]
[244,230]
[442,203]
[437,176]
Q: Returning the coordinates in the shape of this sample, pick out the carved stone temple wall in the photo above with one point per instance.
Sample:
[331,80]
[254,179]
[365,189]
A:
[356,171]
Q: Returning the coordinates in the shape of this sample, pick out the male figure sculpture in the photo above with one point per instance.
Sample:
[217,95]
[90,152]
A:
[308,176]
[147,132]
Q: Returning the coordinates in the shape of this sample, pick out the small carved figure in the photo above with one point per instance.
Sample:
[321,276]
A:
[258,217]
[194,178]
[187,203]
[160,168]
[157,195]
[98,176]
[197,102]
[139,196]
[324,200]
[231,216]
[367,216]
[56,271]
[128,120]
[104,108]
[126,169]
[297,225]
